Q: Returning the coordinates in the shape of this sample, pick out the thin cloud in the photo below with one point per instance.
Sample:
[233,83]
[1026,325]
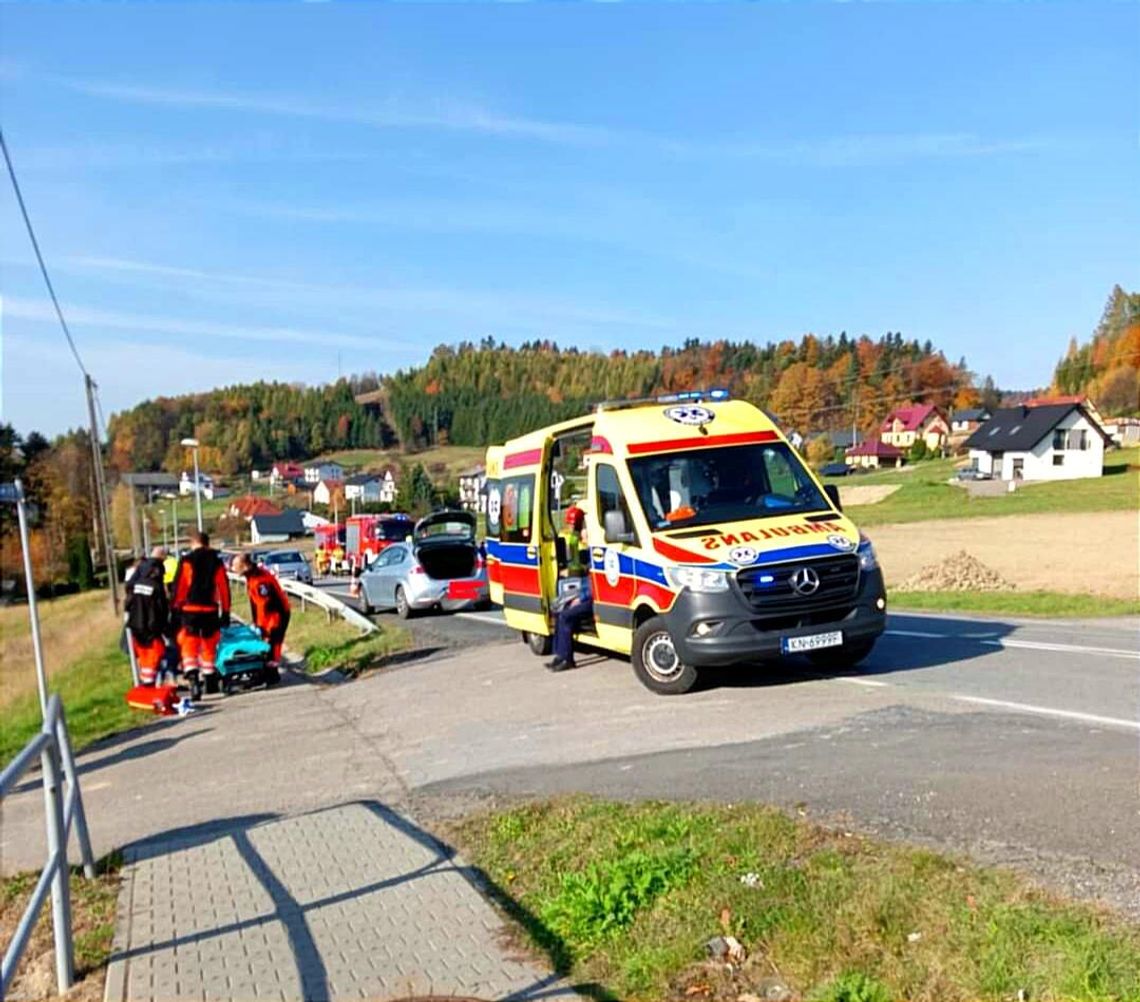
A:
[41,311]
[489,310]
[392,115]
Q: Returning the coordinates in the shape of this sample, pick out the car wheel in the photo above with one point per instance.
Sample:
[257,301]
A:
[538,643]
[837,658]
[656,661]
[366,607]
[403,609]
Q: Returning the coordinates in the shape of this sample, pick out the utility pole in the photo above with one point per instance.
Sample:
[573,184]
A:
[101,494]
[134,521]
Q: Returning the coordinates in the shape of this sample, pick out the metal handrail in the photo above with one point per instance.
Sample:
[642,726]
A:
[53,745]
[323,600]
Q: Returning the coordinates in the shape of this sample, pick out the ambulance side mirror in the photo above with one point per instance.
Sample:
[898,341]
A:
[617,531]
[832,492]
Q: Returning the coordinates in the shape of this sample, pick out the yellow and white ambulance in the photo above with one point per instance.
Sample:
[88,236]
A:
[709,542]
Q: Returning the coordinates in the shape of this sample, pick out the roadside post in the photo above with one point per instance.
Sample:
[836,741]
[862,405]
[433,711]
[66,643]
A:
[14,493]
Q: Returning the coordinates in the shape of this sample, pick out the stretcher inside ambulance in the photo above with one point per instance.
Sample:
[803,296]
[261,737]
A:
[709,542]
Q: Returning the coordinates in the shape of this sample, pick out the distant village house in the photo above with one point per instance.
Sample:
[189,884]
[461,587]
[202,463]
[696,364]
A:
[906,425]
[1046,441]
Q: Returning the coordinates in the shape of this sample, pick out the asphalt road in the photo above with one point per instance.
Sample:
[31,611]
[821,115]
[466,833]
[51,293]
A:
[1015,741]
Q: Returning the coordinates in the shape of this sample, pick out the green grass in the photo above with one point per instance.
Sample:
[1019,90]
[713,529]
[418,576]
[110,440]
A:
[92,691]
[454,457]
[624,896]
[1016,603]
[338,645]
[93,921]
[925,494]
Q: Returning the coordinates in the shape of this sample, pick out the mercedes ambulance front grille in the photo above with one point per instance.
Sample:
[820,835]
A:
[770,589]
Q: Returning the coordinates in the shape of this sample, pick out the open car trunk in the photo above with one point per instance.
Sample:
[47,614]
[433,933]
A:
[444,544]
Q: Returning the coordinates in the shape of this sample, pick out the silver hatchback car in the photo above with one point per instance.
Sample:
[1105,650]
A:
[439,567]
[288,564]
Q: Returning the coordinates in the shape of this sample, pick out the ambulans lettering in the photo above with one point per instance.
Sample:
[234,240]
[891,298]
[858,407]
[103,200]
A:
[812,528]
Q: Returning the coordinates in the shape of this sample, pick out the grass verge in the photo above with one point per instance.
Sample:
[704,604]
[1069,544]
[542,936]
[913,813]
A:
[91,689]
[625,896]
[925,494]
[326,645]
[93,920]
[1015,603]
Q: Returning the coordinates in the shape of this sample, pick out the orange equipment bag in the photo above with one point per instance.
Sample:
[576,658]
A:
[159,699]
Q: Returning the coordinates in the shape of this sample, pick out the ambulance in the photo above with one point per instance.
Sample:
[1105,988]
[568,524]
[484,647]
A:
[708,540]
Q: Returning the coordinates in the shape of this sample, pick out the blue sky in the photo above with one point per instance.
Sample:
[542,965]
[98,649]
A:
[228,193]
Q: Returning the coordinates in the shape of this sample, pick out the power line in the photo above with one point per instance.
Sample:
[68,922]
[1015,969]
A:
[39,256]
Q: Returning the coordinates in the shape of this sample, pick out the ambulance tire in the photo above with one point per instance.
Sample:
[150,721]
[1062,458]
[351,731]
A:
[656,663]
[837,658]
[539,643]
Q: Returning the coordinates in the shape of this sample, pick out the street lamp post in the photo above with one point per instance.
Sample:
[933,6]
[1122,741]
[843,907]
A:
[192,443]
[165,535]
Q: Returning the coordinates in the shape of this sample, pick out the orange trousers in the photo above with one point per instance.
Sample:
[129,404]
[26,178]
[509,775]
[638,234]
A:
[198,653]
[148,657]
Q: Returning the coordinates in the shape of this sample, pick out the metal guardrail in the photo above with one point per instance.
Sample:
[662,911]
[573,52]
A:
[53,747]
[323,600]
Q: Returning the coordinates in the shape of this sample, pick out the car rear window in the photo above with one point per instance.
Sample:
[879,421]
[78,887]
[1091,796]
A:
[286,557]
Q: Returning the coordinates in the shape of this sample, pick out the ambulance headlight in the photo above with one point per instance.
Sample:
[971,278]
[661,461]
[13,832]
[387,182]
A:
[866,553]
[696,579]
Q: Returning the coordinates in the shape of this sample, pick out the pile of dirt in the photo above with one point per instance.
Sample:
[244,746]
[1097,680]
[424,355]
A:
[959,572]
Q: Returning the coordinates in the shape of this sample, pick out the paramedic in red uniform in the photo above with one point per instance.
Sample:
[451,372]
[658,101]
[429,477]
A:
[201,603]
[268,606]
[148,614]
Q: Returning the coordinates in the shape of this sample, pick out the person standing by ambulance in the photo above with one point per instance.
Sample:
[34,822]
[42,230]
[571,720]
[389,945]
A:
[201,603]
[147,614]
[269,610]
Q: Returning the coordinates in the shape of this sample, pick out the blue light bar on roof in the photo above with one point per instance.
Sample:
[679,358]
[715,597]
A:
[691,396]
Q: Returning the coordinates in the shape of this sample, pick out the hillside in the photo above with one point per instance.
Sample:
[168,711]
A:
[1107,368]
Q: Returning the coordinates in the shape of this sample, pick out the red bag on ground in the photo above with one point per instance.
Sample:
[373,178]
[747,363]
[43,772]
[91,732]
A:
[159,699]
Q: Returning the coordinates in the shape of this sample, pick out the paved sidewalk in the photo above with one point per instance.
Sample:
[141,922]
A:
[352,901]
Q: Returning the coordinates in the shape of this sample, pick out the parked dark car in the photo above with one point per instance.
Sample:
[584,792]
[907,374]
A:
[835,470]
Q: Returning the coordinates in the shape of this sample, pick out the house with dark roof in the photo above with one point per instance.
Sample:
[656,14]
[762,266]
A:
[874,454]
[844,438]
[276,528]
[906,425]
[371,488]
[1052,441]
[967,420]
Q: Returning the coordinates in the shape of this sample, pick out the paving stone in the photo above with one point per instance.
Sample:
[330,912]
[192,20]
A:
[347,902]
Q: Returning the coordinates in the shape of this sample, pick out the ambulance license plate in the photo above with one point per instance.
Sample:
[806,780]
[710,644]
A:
[815,642]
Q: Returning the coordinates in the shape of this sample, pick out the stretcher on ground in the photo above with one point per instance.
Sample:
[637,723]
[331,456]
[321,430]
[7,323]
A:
[243,660]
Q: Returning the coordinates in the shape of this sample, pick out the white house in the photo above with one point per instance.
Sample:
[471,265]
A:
[471,484]
[1047,442]
[316,472]
[206,484]
[364,487]
[323,492]
[371,488]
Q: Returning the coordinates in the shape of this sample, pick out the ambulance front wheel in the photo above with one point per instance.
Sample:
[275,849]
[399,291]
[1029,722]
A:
[539,643]
[656,662]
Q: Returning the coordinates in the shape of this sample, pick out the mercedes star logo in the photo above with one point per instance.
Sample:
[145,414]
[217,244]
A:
[805,581]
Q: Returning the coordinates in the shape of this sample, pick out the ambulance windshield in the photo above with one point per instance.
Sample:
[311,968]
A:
[729,484]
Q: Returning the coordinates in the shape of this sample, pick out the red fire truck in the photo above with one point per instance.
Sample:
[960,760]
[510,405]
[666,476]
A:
[366,535]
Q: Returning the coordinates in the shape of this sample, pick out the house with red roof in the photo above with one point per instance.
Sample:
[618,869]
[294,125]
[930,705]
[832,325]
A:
[914,422]
[873,453]
[250,506]
[288,472]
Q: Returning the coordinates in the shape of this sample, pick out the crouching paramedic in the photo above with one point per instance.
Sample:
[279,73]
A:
[268,605]
[201,605]
[148,614]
